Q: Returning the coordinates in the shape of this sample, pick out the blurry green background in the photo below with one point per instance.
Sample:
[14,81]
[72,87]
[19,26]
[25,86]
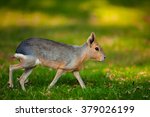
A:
[122,27]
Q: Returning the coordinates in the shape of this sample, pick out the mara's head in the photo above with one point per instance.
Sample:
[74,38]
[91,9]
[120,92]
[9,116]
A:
[95,51]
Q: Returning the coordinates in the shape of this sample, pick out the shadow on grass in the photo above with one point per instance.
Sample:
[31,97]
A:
[77,30]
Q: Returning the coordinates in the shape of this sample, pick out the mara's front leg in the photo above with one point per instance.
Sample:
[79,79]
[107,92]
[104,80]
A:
[78,77]
[57,76]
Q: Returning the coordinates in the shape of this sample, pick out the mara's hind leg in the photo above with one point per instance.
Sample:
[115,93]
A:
[24,77]
[11,69]
[27,62]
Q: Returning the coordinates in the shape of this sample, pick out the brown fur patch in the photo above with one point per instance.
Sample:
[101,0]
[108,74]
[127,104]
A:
[52,64]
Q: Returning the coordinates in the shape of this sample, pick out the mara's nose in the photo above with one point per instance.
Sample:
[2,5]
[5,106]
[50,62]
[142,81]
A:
[104,57]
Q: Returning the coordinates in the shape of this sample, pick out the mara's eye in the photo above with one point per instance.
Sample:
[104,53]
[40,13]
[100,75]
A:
[97,49]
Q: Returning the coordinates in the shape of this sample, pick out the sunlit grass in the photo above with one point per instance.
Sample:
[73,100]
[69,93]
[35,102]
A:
[116,16]
[9,18]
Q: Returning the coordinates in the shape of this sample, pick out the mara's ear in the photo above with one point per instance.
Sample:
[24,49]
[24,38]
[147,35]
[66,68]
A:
[91,39]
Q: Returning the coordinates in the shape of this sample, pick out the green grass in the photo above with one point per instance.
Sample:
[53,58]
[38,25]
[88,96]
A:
[124,74]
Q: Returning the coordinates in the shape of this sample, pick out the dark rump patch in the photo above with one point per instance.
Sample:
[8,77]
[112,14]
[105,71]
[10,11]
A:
[24,48]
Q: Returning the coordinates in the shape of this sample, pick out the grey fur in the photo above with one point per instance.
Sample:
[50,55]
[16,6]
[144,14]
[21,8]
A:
[52,51]
[56,55]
